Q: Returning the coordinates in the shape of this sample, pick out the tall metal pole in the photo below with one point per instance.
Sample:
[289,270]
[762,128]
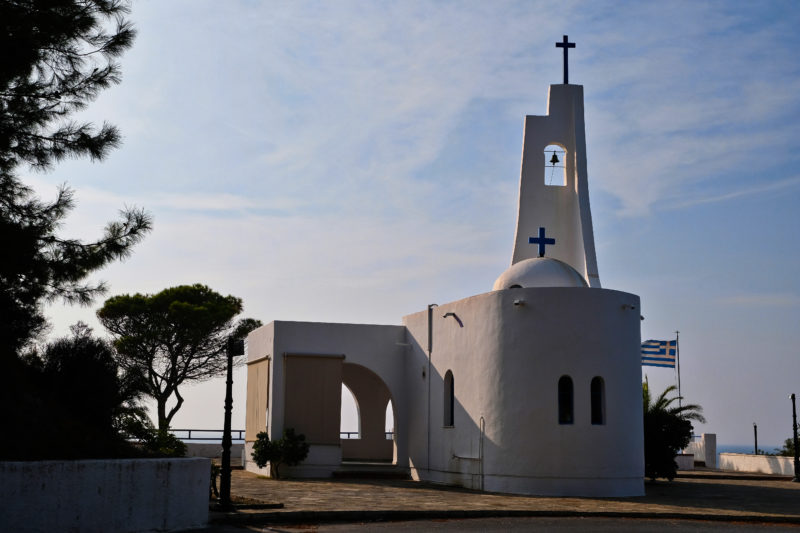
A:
[796,478]
[678,362]
[755,438]
[233,347]
[430,352]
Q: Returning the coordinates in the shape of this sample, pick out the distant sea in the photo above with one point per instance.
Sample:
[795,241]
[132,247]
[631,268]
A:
[744,448]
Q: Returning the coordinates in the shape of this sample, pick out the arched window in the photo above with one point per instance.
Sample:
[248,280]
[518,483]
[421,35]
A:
[598,393]
[565,410]
[389,424]
[350,417]
[449,399]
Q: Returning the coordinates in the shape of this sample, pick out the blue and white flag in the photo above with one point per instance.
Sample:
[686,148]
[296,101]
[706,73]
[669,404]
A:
[659,353]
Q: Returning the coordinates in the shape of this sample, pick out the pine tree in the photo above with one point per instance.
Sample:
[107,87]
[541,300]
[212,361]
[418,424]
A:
[57,57]
[176,336]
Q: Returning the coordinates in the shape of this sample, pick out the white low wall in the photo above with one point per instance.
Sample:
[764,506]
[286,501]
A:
[704,449]
[685,461]
[764,464]
[121,495]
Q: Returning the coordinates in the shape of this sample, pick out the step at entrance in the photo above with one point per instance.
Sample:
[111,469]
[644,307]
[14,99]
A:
[368,470]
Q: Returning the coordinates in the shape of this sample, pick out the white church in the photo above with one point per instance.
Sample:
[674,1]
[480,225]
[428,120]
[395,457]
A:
[533,387]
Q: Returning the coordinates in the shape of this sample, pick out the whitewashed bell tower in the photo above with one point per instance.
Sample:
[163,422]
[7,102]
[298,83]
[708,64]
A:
[555,220]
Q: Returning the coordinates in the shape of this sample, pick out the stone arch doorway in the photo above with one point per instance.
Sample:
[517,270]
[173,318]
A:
[372,396]
[350,419]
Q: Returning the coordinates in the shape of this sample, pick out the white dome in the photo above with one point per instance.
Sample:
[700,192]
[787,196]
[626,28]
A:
[539,272]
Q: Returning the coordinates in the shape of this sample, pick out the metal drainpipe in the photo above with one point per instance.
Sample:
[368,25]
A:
[480,447]
[796,478]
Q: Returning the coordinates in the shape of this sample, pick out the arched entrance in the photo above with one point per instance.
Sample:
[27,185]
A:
[372,396]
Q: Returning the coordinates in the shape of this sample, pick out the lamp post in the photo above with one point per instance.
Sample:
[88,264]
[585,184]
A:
[430,353]
[796,478]
[755,438]
[233,347]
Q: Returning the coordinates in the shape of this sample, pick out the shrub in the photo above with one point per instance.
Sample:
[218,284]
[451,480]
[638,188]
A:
[290,450]
[215,472]
[788,448]
[667,430]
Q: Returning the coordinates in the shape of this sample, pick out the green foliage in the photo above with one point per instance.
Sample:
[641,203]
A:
[213,491]
[58,55]
[264,450]
[294,448]
[788,448]
[290,450]
[176,336]
[667,430]
[44,267]
[161,443]
[73,402]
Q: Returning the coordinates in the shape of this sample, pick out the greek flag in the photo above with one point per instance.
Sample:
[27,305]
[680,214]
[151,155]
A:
[659,353]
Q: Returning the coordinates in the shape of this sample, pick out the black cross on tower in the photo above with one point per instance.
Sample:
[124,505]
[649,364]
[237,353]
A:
[541,240]
[566,45]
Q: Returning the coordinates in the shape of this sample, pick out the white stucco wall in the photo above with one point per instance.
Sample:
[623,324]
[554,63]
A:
[704,449]
[507,360]
[380,348]
[122,495]
[764,464]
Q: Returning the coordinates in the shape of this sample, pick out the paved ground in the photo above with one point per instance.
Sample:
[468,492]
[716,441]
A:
[526,524]
[520,524]
[706,495]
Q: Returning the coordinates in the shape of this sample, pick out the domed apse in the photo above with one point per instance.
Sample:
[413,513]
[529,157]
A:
[539,272]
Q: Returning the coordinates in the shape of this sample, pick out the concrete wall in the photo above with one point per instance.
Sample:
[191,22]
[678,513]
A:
[764,464]
[123,495]
[704,450]
[204,449]
[506,361]
[685,461]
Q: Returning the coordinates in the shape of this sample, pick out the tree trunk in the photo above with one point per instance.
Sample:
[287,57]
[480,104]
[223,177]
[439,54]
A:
[163,421]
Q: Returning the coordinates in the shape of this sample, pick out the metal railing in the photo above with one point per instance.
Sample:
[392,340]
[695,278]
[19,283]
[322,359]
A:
[238,434]
[202,434]
[356,435]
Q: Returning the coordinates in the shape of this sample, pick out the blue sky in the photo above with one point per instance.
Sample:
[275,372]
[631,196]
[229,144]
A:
[355,161]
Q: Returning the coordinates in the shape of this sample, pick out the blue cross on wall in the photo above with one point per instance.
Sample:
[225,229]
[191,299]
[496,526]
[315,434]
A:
[541,240]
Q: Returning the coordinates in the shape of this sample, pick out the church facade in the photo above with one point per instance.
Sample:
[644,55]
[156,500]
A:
[533,387]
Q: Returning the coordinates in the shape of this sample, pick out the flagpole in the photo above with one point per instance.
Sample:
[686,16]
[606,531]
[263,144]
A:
[678,361]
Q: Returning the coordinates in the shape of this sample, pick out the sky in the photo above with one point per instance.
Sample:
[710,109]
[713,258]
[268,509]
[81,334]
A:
[356,161]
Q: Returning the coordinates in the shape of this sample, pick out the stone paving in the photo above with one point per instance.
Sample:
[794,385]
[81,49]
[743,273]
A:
[708,495]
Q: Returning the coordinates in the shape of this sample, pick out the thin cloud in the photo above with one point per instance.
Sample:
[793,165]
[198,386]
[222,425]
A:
[751,191]
[762,300]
